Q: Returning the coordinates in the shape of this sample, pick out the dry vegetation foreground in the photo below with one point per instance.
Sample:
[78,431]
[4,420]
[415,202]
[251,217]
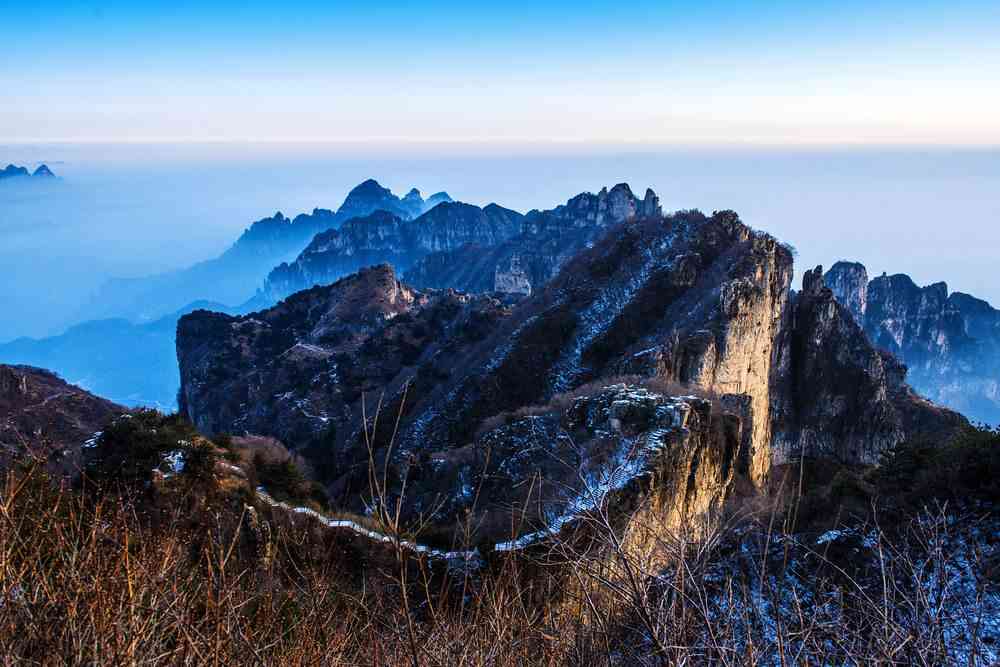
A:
[188,568]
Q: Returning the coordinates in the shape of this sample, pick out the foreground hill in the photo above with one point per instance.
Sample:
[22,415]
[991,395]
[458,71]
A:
[42,414]
[949,342]
[169,523]
[699,301]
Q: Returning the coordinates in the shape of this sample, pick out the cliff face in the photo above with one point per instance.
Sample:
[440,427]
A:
[949,342]
[386,237]
[617,443]
[694,303]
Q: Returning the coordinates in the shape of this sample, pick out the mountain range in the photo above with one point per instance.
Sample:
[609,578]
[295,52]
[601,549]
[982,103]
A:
[660,306]
[599,399]
[124,347]
[949,342]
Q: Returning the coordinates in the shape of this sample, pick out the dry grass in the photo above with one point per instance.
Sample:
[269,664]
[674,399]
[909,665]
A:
[91,579]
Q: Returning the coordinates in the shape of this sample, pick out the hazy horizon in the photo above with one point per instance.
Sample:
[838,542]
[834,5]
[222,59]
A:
[133,210]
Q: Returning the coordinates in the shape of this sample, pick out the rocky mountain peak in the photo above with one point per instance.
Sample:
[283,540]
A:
[386,237]
[812,282]
[370,196]
[437,198]
[849,282]
[44,171]
[684,300]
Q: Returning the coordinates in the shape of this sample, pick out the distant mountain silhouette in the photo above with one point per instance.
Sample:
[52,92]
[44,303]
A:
[14,171]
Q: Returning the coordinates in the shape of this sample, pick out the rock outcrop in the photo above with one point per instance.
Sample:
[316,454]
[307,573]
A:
[949,342]
[838,397]
[131,364]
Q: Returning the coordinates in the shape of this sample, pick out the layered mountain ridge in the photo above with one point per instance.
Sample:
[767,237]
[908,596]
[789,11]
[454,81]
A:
[544,242]
[384,236]
[124,349]
[949,342]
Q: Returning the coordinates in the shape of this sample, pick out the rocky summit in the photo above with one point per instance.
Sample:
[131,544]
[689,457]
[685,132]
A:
[671,309]
[370,196]
[949,342]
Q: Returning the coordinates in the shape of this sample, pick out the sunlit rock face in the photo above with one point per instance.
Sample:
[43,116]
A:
[528,476]
[949,342]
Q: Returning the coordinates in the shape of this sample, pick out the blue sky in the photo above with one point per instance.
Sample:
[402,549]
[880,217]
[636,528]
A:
[646,72]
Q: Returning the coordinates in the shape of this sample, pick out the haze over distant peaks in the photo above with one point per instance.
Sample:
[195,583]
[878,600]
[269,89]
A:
[234,276]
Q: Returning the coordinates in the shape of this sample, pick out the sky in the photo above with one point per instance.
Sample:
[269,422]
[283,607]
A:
[774,73]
